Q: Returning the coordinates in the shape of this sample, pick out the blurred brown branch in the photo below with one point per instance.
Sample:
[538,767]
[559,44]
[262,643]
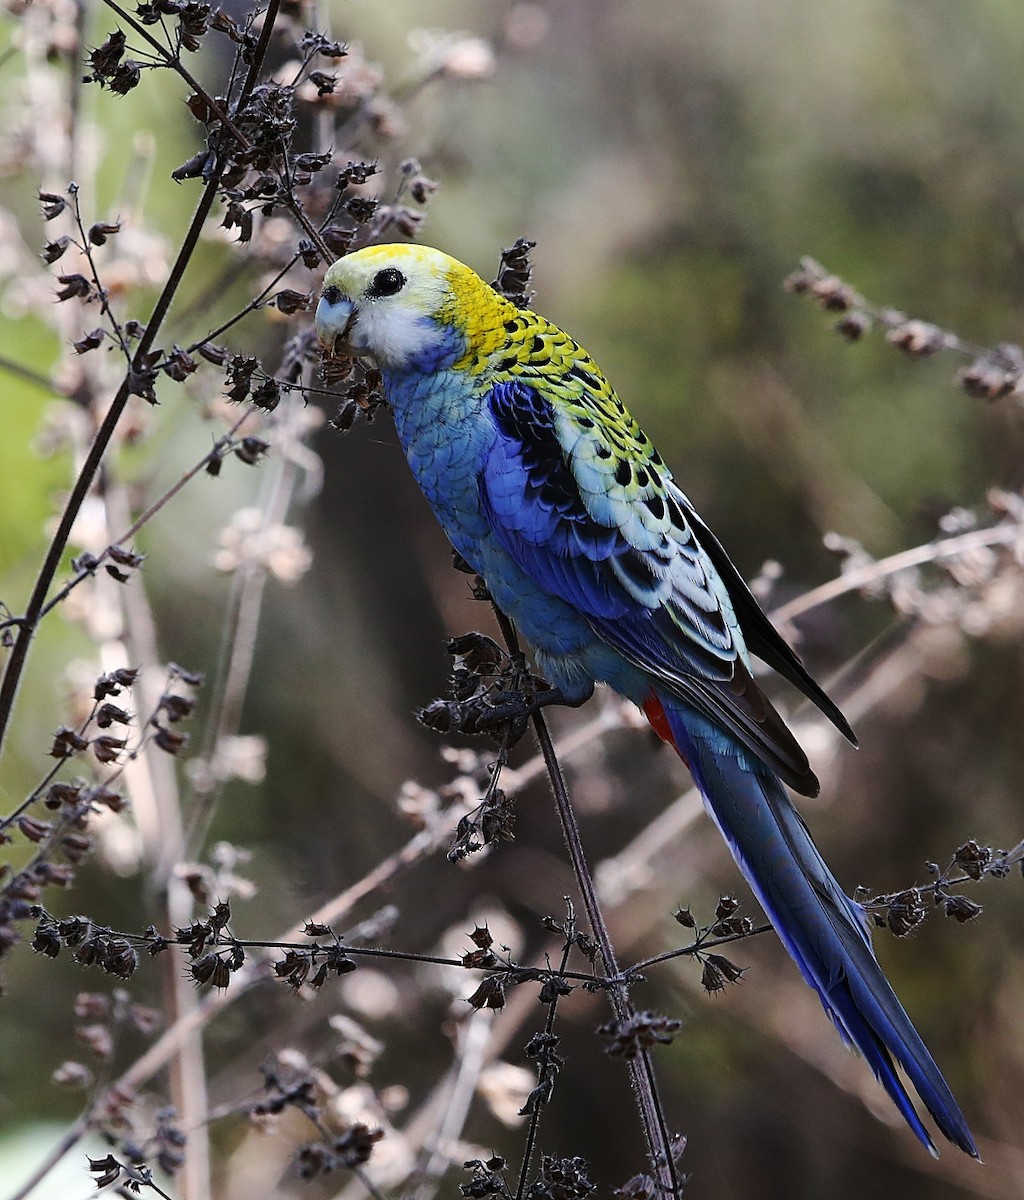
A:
[994,372]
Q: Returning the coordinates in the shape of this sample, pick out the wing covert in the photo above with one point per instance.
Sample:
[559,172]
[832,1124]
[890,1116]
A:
[579,498]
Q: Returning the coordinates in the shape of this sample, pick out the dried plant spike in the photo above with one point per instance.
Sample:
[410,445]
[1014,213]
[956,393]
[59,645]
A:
[993,373]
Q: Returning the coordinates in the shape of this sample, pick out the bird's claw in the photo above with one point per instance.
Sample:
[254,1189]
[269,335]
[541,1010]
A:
[492,692]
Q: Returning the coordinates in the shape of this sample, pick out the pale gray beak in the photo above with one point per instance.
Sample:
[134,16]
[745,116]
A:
[334,317]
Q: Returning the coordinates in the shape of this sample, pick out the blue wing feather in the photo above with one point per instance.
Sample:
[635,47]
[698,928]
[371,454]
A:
[664,609]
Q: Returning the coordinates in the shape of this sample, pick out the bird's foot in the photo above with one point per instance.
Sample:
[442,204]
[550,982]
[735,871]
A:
[492,692]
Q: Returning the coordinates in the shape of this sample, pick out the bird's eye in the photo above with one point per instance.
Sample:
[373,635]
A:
[386,283]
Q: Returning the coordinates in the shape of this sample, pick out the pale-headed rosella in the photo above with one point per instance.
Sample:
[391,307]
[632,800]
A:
[549,489]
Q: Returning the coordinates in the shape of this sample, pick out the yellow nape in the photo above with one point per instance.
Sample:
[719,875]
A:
[480,313]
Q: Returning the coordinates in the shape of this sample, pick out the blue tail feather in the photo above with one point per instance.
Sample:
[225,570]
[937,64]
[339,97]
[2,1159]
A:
[825,931]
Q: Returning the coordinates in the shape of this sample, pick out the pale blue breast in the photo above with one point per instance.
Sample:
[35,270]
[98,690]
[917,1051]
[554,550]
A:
[447,433]
[446,436]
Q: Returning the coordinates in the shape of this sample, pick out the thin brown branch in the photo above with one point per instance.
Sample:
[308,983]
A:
[659,1142]
[1007,533]
[153,783]
[68,1141]
[26,630]
[15,665]
[472,1058]
[837,296]
[238,646]
[174,61]
[221,447]
[995,371]
[693,949]
[549,1025]
[641,1069]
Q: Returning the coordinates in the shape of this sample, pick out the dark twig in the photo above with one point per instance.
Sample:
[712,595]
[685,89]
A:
[641,1070]
[69,1139]
[549,1025]
[26,630]
[85,246]
[83,484]
[1006,533]
[220,449]
[173,60]
[697,947]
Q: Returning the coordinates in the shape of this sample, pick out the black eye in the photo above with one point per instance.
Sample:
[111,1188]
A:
[386,283]
[332,294]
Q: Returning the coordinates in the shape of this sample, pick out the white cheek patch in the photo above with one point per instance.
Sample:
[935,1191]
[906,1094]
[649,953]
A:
[392,334]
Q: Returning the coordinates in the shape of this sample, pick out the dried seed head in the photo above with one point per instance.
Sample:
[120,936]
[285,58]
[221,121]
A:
[98,1039]
[60,794]
[905,912]
[176,707]
[490,994]
[987,380]
[54,250]
[211,969]
[99,232]
[107,748]
[112,683]
[119,958]
[192,678]
[52,205]
[854,325]
[169,740]
[72,1075]
[251,449]
[32,829]
[833,294]
[918,338]
[106,796]
[961,908]
[47,940]
[108,714]
[421,188]
[75,846]
[514,272]
[73,285]
[641,1031]
[67,742]
[972,858]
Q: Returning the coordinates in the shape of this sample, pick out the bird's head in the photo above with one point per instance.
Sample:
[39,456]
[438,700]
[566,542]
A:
[401,305]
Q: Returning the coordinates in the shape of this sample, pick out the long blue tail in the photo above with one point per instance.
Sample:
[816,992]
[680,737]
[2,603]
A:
[822,928]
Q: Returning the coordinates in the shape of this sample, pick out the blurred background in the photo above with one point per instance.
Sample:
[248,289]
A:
[673,161]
